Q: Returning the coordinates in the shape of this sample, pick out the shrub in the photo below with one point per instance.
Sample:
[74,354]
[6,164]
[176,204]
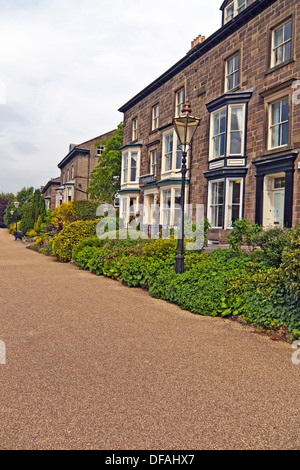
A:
[37,225]
[142,272]
[63,214]
[162,248]
[64,242]
[87,242]
[261,298]
[243,233]
[32,233]
[84,256]
[272,242]
[85,210]
[291,262]
[12,227]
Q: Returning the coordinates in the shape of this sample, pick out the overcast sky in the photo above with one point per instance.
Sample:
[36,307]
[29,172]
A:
[67,66]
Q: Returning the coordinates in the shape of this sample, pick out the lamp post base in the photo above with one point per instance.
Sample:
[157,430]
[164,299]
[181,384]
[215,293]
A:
[179,264]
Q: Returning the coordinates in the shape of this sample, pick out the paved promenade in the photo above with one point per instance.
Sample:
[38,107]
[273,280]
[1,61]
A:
[92,364]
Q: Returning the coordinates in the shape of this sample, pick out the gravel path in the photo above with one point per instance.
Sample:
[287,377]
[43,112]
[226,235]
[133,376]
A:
[92,364]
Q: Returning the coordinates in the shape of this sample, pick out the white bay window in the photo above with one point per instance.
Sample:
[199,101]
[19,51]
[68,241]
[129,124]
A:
[225,202]
[227,134]
[172,155]
[130,167]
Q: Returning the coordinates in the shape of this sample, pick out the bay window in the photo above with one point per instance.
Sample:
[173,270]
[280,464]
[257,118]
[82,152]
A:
[227,131]
[171,154]
[130,167]
[225,202]
[216,204]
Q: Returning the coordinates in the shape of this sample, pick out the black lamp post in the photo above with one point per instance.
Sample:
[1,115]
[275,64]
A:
[16,204]
[185,126]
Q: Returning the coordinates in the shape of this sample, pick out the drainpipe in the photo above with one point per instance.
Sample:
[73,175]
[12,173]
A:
[88,176]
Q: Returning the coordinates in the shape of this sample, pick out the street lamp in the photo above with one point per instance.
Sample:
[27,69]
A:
[16,204]
[185,126]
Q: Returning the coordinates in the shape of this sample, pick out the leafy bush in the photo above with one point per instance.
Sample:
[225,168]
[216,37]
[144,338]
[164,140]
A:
[291,262]
[87,242]
[243,233]
[162,248]
[71,234]
[85,210]
[84,257]
[203,288]
[272,242]
[261,298]
[12,227]
[63,214]
[32,233]
[142,272]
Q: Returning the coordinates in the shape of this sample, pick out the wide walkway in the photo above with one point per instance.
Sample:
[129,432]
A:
[92,364]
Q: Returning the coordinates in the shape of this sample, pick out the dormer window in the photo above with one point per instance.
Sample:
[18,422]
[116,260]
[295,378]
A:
[233,9]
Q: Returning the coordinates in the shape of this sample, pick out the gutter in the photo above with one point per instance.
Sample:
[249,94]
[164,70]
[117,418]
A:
[198,51]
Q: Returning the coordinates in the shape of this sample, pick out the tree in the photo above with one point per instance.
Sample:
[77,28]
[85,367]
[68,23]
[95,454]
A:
[105,178]
[24,196]
[4,200]
[32,211]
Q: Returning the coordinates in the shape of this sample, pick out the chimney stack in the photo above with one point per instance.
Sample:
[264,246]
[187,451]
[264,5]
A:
[198,40]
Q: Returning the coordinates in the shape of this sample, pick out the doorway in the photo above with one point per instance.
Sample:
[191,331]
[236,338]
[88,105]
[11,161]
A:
[274,196]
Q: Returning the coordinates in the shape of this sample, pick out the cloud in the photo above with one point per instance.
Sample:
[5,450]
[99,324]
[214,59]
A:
[68,66]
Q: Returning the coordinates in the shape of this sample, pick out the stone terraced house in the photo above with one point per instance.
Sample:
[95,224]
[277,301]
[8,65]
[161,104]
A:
[244,83]
[76,168]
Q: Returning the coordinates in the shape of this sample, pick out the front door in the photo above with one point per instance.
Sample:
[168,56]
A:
[274,194]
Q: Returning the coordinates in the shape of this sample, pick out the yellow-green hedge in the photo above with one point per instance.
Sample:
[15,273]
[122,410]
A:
[71,234]
[12,227]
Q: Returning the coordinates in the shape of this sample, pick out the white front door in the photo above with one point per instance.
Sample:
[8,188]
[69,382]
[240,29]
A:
[278,212]
[273,204]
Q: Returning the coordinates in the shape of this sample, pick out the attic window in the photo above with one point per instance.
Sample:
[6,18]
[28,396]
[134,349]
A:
[234,8]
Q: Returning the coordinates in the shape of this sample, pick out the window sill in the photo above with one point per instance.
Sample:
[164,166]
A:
[276,151]
[279,66]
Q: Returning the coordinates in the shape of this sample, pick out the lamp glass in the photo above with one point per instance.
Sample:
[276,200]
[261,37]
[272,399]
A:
[185,127]
[16,204]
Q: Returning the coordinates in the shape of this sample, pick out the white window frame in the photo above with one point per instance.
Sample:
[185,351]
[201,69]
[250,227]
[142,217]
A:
[100,150]
[127,155]
[273,52]
[210,204]
[228,223]
[173,189]
[125,209]
[179,101]
[153,162]
[236,9]
[155,117]
[234,73]
[212,136]
[173,170]
[228,131]
[270,125]
[134,129]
